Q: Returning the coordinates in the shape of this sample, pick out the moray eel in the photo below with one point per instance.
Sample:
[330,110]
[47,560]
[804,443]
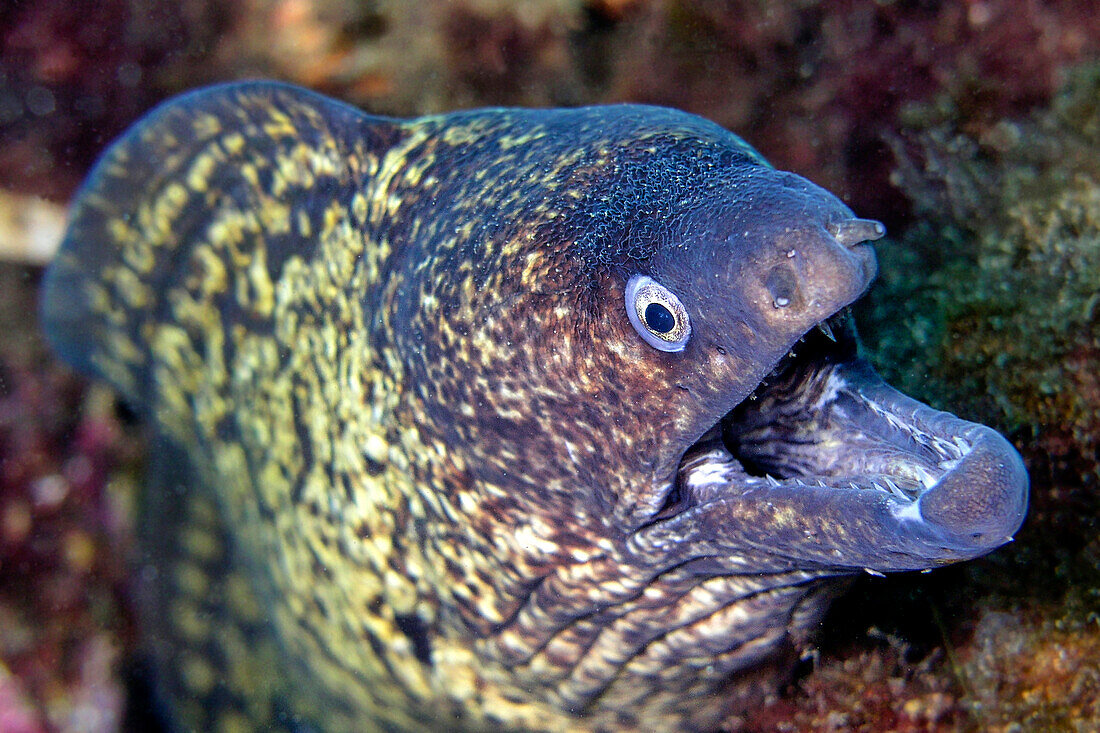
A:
[496,420]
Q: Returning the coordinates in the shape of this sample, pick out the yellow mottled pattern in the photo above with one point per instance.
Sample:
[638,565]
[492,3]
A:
[364,352]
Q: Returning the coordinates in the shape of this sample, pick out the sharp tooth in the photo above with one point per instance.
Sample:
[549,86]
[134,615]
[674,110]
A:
[826,329]
[854,485]
[876,573]
[893,487]
[772,480]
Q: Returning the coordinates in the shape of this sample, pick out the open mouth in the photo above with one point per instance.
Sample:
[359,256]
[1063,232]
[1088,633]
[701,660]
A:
[807,424]
[823,425]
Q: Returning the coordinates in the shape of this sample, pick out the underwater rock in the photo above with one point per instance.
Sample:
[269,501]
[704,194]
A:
[992,305]
[1026,673]
[814,84]
[73,75]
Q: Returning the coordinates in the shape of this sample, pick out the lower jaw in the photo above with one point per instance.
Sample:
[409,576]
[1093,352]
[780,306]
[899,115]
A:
[868,477]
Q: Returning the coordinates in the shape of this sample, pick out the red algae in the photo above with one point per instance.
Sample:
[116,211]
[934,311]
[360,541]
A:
[64,536]
[73,75]
[871,690]
[815,85]
[17,714]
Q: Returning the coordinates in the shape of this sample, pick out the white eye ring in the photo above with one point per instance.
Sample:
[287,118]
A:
[657,314]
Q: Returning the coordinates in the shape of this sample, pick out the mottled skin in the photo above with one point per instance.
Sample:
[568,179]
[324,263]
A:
[416,469]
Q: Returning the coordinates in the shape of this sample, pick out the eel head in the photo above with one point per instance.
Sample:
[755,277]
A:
[716,438]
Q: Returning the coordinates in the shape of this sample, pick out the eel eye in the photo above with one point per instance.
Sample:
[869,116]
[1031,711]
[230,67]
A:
[657,314]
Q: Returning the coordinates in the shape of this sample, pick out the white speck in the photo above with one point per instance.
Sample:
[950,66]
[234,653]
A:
[791,253]
[910,512]
[834,384]
[708,474]
[781,302]
[49,491]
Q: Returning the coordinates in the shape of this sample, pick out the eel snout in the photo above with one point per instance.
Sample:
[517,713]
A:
[813,268]
[980,503]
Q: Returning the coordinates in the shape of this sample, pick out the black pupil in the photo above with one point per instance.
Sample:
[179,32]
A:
[659,318]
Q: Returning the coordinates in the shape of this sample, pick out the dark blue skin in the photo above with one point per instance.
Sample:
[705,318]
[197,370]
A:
[574,527]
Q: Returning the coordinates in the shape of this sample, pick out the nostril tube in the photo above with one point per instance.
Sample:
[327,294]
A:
[851,232]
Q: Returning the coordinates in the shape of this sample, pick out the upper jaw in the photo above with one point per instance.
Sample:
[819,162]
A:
[829,466]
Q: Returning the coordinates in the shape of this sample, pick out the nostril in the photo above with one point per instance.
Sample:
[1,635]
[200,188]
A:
[851,232]
[783,287]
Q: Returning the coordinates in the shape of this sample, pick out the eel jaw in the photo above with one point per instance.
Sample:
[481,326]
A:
[835,467]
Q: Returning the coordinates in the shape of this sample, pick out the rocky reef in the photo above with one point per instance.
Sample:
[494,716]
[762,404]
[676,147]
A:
[812,83]
[65,519]
[990,307]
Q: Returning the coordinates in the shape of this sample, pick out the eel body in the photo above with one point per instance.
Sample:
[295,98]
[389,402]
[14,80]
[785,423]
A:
[503,419]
